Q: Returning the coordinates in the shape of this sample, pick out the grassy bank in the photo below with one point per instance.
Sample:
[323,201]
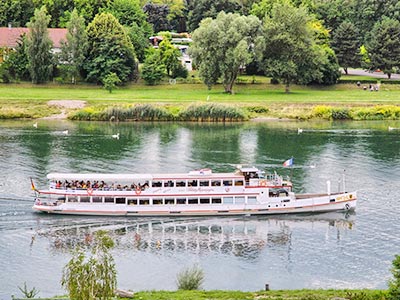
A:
[260,99]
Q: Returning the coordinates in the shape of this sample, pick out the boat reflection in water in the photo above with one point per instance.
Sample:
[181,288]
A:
[242,237]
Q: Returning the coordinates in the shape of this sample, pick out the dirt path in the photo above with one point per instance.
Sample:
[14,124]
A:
[65,105]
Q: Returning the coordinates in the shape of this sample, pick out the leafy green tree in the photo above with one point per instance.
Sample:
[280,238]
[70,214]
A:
[153,70]
[394,283]
[90,8]
[39,47]
[74,50]
[222,46]
[16,12]
[169,56]
[109,50]
[111,81]
[16,65]
[58,10]
[288,51]
[176,13]
[94,277]
[334,12]
[346,44]
[384,46]
[157,15]
[201,9]
[130,14]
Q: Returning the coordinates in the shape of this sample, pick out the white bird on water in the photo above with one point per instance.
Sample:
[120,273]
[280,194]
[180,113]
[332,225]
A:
[65,132]
[391,128]
[115,136]
[299,130]
[35,125]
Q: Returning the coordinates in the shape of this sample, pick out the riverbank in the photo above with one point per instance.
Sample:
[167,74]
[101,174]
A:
[260,100]
[330,294]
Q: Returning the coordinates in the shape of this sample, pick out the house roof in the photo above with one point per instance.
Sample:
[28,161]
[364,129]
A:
[9,36]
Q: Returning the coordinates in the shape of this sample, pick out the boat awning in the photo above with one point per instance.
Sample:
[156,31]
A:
[100,177]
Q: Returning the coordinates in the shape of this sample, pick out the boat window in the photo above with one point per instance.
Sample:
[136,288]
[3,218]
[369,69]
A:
[216,200]
[192,183]
[97,199]
[204,200]
[193,200]
[156,184]
[216,182]
[228,200]
[169,201]
[181,201]
[72,199]
[85,199]
[238,182]
[204,183]
[132,201]
[239,200]
[144,201]
[120,200]
[251,200]
[180,183]
[108,199]
[227,182]
[157,201]
[168,183]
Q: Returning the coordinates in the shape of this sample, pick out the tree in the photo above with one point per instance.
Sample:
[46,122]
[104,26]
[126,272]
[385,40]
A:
[109,50]
[73,51]
[130,14]
[90,8]
[16,12]
[157,15]
[111,81]
[94,277]
[169,56]
[346,44]
[153,70]
[384,46]
[288,50]
[222,46]
[201,9]
[16,65]
[394,284]
[39,47]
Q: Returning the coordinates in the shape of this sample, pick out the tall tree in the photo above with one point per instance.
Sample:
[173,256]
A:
[200,9]
[288,50]
[130,14]
[384,46]
[16,12]
[17,65]
[39,47]
[169,56]
[222,46]
[73,51]
[109,50]
[157,15]
[346,44]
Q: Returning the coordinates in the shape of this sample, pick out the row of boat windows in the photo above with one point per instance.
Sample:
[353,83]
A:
[156,183]
[165,201]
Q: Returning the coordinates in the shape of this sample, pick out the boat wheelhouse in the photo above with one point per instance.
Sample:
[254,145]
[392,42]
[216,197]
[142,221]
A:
[247,191]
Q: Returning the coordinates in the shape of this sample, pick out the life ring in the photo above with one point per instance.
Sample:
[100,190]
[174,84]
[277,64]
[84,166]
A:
[263,183]
[138,191]
[89,191]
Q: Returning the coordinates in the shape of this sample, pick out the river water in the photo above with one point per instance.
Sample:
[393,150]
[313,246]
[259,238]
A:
[333,250]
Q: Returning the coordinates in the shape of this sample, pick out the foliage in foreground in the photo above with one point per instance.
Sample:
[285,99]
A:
[212,112]
[394,284]
[379,112]
[190,278]
[94,277]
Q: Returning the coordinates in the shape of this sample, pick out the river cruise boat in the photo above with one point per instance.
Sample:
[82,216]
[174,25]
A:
[247,191]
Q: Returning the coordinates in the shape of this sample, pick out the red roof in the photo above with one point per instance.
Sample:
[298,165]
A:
[10,36]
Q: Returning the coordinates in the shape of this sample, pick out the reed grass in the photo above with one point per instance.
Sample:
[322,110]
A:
[212,112]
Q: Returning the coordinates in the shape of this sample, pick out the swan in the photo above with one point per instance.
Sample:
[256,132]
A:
[35,125]
[65,132]
[299,130]
[115,136]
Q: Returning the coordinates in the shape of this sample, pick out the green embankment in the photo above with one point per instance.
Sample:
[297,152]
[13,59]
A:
[193,101]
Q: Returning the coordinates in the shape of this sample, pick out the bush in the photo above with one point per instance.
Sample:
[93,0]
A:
[179,71]
[340,114]
[212,112]
[190,278]
[394,284]
[94,277]
[258,109]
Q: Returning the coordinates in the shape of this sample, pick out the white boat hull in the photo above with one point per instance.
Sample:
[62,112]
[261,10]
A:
[279,205]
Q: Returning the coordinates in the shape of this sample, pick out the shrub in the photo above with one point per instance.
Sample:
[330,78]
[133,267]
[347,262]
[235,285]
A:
[258,109]
[28,293]
[322,111]
[90,278]
[190,278]
[394,284]
[340,114]
[212,112]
